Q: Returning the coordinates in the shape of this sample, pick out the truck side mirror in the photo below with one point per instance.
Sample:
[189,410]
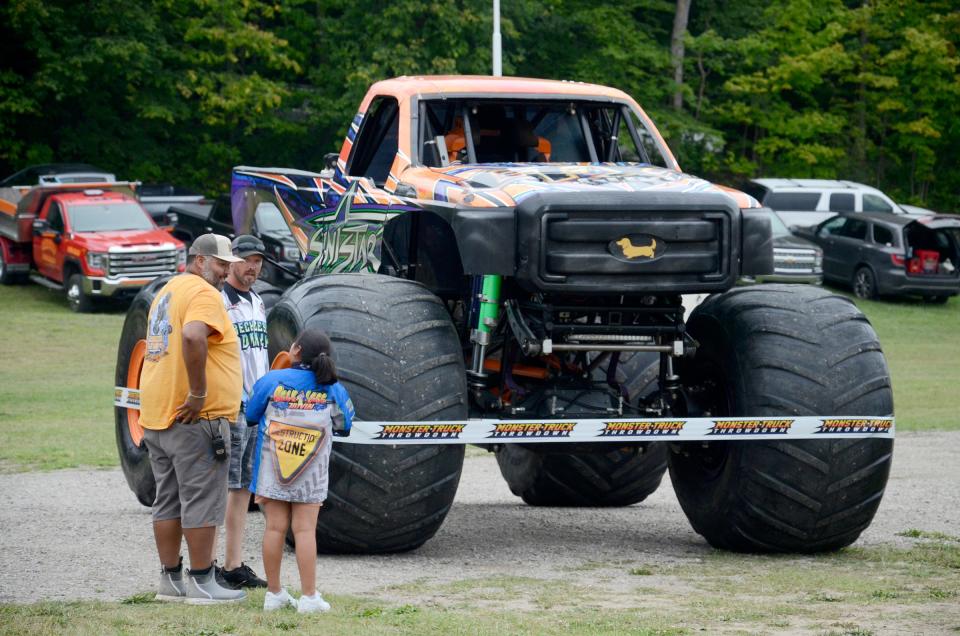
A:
[330,160]
[39,226]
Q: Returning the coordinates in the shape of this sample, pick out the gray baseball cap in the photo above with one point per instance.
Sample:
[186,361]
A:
[214,245]
[247,245]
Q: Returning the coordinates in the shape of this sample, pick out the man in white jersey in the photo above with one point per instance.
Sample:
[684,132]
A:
[249,317]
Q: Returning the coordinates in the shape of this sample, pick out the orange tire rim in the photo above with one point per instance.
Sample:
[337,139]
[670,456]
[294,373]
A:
[133,382]
[282,361]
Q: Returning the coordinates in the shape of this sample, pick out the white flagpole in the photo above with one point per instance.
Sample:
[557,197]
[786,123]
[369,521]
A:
[497,65]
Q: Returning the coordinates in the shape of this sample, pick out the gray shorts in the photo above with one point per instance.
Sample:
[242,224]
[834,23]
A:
[243,441]
[191,484]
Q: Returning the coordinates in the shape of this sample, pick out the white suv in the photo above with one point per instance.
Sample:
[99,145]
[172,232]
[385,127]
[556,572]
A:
[805,202]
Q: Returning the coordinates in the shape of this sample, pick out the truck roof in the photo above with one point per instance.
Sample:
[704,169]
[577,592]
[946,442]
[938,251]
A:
[408,86]
[91,195]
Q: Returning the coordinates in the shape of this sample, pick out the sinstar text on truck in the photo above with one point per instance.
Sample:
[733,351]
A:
[500,262]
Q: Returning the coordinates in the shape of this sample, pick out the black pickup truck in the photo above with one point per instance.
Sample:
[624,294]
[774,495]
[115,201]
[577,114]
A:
[194,219]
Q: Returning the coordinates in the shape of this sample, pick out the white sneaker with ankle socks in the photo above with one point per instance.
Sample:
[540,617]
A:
[311,604]
[279,600]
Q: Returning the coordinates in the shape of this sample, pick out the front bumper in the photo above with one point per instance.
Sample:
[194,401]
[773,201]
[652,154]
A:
[107,287]
[808,279]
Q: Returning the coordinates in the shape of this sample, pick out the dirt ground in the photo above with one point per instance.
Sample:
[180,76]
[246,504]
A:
[80,534]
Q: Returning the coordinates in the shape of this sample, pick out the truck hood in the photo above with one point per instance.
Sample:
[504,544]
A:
[127,239]
[794,242]
[506,184]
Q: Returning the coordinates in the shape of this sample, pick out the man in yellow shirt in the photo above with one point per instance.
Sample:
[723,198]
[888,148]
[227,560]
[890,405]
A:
[190,395]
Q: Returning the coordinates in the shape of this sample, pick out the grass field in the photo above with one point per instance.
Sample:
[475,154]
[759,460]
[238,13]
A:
[56,379]
[855,592]
[55,412]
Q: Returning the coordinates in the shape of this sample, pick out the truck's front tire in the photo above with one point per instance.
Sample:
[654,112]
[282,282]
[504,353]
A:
[399,357]
[78,301]
[790,350]
[269,294]
[133,454]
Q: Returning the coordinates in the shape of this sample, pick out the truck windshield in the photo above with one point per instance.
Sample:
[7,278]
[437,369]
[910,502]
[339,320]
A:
[777,226]
[108,217]
[534,131]
[269,219]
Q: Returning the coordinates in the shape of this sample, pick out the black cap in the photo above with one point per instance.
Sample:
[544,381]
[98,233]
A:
[247,245]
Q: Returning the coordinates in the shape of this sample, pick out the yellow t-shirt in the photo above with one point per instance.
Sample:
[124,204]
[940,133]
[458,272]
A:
[164,383]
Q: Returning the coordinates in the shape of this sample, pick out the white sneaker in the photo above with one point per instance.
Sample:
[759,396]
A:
[277,601]
[311,604]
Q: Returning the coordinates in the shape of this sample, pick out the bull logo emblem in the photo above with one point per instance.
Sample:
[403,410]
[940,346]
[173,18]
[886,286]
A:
[631,251]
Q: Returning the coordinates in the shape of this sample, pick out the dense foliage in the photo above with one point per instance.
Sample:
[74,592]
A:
[181,90]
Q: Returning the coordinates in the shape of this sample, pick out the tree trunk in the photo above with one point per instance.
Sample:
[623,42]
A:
[676,50]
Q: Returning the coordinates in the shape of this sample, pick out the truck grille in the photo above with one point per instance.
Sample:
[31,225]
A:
[630,245]
[142,264]
[793,261]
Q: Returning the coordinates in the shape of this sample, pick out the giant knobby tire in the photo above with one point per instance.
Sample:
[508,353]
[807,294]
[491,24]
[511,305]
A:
[133,454]
[783,350]
[399,357]
[610,476]
[269,294]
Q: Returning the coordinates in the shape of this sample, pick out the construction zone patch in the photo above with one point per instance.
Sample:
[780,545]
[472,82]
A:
[855,426]
[420,431]
[533,429]
[642,429]
[751,427]
[295,447]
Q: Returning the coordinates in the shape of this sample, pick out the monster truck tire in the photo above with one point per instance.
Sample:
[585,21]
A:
[399,357]
[133,454]
[611,476]
[270,294]
[789,350]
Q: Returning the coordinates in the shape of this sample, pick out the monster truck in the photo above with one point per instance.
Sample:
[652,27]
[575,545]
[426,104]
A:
[501,262]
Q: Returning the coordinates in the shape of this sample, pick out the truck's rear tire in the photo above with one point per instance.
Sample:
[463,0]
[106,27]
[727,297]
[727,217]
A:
[8,277]
[611,476]
[788,350]
[399,357]
[133,453]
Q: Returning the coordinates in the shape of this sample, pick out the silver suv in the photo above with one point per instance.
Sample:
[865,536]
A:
[806,202]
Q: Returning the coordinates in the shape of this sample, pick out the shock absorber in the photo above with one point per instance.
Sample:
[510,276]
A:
[487,317]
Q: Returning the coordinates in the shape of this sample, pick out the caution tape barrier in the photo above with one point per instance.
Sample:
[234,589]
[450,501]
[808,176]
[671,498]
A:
[492,431]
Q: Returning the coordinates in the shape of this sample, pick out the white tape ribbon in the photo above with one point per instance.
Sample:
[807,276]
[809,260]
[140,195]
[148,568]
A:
[491,431]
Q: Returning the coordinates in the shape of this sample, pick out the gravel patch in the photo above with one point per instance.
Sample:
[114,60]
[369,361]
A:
[80,534]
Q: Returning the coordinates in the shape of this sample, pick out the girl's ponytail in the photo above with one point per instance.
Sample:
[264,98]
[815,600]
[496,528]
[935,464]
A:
[316,353]
[324,368]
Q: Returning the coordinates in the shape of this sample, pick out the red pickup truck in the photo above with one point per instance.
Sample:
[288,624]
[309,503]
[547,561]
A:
[90,240]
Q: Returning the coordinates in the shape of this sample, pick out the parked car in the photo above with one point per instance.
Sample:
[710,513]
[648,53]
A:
[806,202]
[194,219]
[157,198]
[52,173]
[795,259]
[916,209]
[891,254]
